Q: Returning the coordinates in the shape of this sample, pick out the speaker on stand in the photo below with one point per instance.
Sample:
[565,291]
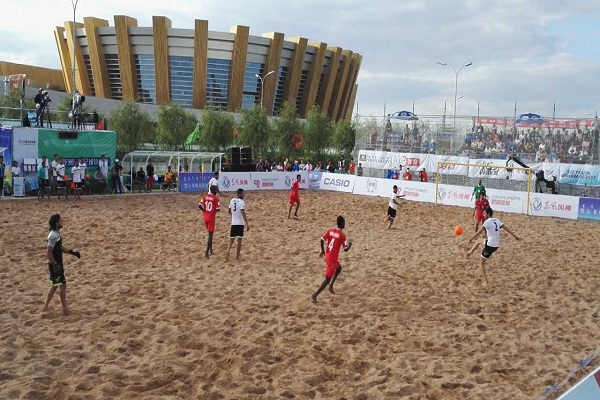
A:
[246,155]
[235,156]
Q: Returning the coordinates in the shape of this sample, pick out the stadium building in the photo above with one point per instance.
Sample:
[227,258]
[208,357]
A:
[199,68]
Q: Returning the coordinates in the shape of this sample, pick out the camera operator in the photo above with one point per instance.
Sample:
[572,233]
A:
[538,181]
[41,104]
[77,109]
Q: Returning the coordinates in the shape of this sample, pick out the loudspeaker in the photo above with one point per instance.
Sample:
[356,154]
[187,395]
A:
[240,168]
[67,134]
[246,155]
[235,156]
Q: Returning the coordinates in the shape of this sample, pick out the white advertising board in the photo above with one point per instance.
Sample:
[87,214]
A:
[414,191]
[506,200]
[448,169]
[553,205]
[232,181]
[488,168]
[278,180]
[376,159]
[451,195]
[587,389]
[337,182]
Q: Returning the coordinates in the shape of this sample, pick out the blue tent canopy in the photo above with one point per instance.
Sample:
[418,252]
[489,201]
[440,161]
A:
[403,115]
[530,118]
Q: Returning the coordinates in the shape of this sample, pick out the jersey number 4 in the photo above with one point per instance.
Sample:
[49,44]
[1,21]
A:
[330,245]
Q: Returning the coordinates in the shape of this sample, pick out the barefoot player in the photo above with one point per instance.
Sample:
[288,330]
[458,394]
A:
[295,197]
[237,210]
[209,204]
[392,207]
[335,239]
[480,204]
[492,228]
[55,250]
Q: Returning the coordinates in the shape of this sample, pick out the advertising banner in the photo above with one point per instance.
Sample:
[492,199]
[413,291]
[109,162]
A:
[377,159]
[194,182]
[25,144]
[374,186]
[552,205]
[451,195]
[448,169]
[19,187]
[588,208]
[278,180]
[337,182]
[6,143]
[580,174]
[88,144]
[506,200]
[418,191]
[487,168]
[412,161]
[232,181]
[314,180]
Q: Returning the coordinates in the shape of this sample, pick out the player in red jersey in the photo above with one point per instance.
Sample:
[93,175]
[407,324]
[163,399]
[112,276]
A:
[481,204]
[295,197]
[209,204]
[335,239]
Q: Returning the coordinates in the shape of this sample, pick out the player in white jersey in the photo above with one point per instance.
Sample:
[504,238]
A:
[392,206]
[77,174]
[492,228]
[237,210]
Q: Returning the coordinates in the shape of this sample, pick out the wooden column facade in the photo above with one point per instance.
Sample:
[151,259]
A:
[272,64]
[200,62]
[96,53]
[125,53]
[162,73]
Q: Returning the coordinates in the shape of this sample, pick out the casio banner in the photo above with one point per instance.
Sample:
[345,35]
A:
[337,182]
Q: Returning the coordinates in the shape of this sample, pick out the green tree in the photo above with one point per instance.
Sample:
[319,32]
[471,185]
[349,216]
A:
[345,136]
[285,127]
[255,130]
[133,125]
[216,129]
[64,107]
[10,104]
[318,132]
[174,126]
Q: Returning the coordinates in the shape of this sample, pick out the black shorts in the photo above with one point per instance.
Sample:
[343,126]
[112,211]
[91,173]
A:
[488,251]
[237,231]
[44,183]
[57,274]
[61,184]
[78,185]
[391,212]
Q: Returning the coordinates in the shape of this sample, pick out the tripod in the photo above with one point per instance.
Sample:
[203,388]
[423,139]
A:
[39,123]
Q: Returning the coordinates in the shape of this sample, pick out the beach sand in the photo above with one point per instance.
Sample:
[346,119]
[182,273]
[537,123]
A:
[152,320]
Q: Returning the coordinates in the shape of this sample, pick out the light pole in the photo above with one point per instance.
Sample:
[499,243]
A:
[455,83]
[74,3]
[262,82]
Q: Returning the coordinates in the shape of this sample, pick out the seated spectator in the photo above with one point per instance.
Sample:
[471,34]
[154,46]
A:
[140,181]
[169,177]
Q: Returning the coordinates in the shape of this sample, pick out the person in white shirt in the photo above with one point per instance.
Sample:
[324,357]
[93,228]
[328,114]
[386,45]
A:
[77,174]
[53,166]
[16,170]
[60,179]
[214,181]
[237,210]
[103,165]
[492,228]
[392,206]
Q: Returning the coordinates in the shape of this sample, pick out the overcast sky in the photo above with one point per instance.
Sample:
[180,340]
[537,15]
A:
[532,52]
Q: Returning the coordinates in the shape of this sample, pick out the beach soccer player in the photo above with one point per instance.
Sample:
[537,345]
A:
[209,204]
[481,204]
[335,239]
[295,197]
[392,206]
[492,227]
[237,210]
[55,250]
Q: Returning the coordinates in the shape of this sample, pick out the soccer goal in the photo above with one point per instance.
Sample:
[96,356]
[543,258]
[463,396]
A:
[508,186]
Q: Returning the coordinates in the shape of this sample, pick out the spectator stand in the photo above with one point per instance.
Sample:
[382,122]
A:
[180,161]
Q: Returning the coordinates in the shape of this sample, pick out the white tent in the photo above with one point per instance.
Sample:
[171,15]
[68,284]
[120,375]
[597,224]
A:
[196,161]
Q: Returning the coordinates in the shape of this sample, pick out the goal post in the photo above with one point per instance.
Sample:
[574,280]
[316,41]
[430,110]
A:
[494,175]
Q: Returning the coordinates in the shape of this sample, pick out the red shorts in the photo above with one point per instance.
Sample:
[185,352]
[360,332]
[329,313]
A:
[332,265]
[150,181]
[294,199]
[479,216]
[210,226]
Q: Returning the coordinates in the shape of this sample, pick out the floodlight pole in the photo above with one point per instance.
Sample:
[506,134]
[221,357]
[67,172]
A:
[74,4]
[262,82]
[456,73]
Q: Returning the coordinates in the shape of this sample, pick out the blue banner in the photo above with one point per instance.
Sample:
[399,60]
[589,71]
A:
[194,182]
[6,141]
[314,180]
[589,209]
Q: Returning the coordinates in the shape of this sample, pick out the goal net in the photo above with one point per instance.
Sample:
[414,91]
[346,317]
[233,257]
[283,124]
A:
[507,185]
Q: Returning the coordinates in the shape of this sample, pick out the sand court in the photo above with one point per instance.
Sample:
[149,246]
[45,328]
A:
[151,319]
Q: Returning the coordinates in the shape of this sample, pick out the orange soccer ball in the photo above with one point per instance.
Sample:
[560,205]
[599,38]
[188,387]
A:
[458,230]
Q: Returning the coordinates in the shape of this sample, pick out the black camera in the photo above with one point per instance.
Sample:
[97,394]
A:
[45,98]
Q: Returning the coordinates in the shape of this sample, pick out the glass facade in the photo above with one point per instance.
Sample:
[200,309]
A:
[252,88]
[114,76]
[301,89]
[88,67]
[144,67]
[217,84]
[281,77]
[181,71]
